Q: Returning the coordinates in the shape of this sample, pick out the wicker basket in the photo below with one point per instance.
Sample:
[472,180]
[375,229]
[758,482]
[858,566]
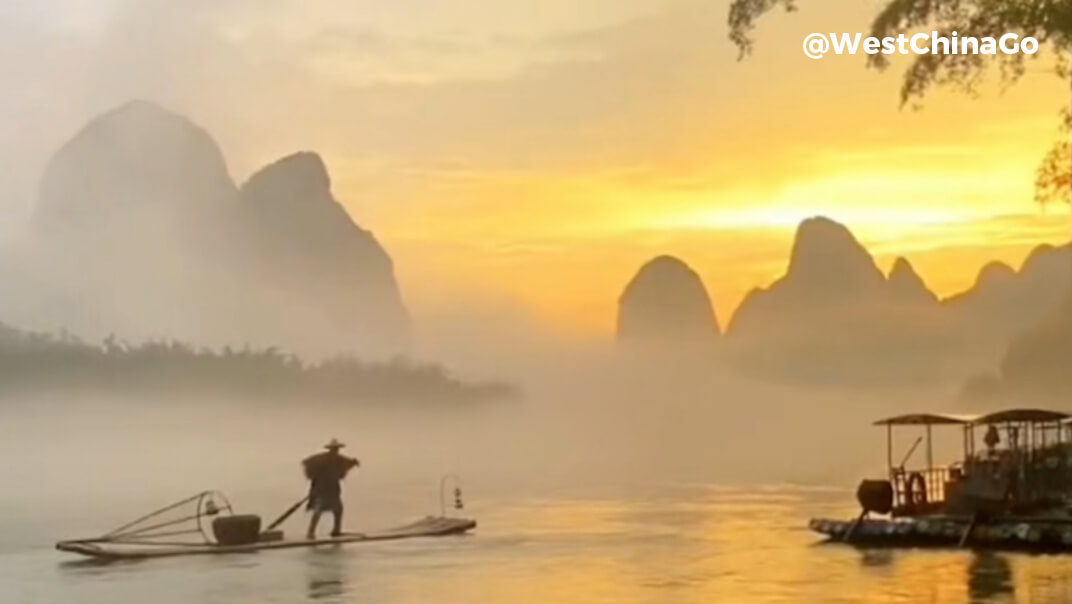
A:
[237,530]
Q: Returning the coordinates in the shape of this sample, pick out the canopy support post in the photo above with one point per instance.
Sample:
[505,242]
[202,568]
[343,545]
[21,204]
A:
[889,449]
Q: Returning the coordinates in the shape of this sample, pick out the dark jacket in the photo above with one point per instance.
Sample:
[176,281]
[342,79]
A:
[325,471]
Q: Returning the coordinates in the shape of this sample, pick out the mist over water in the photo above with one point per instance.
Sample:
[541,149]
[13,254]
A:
[586,429]
[604,485]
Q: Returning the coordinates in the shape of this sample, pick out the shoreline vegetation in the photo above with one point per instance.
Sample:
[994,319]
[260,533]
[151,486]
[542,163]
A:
[36,361]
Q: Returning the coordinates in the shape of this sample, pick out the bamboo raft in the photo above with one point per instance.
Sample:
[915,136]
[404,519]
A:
[427,527]
[205,524]
[1031,534]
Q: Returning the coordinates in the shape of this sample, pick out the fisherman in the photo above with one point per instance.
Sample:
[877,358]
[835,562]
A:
[325,471]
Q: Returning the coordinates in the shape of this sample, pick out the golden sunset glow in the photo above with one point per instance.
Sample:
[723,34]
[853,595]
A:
[719,165]
[531,155]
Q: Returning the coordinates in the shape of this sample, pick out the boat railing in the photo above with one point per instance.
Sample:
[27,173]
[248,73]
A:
[914,489]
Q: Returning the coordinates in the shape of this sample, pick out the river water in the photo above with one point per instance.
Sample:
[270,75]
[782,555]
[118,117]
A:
[673,544]
[604,528]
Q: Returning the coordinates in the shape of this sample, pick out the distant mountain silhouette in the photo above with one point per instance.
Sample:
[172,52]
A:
[126,232]
[666,303]
[834,317]
[135,167]
[1037,362]
[140,230]
[907,286]
[1004,302]
[1036,306]
[1035,368]
[827,262]
[827,266]
[306,246]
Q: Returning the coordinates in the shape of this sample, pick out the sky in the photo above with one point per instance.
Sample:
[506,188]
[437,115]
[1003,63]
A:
[530,155]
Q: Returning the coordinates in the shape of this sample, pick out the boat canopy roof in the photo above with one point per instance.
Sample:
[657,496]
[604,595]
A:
[1022,415]
[927,419]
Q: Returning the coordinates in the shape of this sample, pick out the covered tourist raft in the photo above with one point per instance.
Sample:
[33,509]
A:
[1011,489]
[206,524]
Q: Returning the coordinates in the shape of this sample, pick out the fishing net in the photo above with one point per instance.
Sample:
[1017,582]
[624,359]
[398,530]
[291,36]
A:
[183,523]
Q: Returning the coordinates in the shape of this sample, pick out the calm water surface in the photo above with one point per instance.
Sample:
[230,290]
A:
[578,511]
[666,544]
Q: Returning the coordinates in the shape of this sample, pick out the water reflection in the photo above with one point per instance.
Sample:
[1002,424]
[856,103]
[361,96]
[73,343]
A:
[681,546]
[989,578]
[876,558]
[326,575]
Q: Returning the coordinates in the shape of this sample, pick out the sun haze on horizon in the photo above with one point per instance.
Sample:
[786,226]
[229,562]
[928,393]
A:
[533,154]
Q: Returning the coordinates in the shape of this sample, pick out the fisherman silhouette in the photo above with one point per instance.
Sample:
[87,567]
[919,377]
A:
[325,471]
